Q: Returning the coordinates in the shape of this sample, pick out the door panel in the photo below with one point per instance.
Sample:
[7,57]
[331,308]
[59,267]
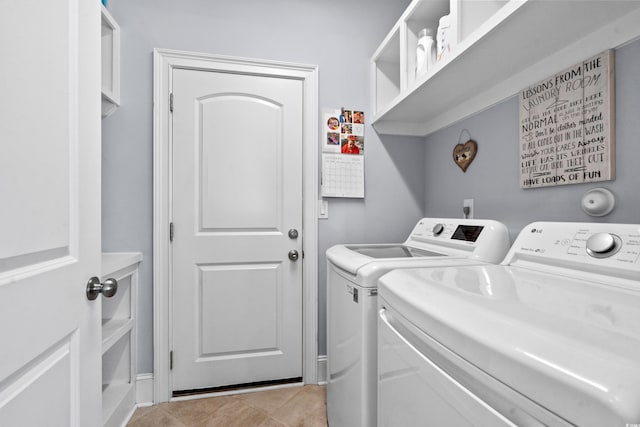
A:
[43,176]
[229,169]
[254,293]
[50,216]
[47,381]
[237,190]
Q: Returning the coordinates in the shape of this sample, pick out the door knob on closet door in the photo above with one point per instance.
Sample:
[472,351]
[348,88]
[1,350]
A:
[293,255]
[108,288]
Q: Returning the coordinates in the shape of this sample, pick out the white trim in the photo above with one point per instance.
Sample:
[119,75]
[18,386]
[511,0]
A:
[126,419]
[164,63]
[322,370]
[144,390]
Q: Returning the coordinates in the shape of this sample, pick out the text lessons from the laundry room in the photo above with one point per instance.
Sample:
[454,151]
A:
[567,126]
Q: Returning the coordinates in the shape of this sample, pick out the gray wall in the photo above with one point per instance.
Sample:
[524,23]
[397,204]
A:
[492,180]
[338,36]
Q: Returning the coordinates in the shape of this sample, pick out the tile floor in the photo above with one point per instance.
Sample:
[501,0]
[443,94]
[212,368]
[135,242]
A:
[301,406]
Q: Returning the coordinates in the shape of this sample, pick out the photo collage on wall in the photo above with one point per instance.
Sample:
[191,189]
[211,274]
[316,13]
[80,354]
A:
[344,132]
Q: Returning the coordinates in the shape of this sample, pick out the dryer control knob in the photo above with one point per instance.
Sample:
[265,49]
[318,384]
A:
[438,229]
[601,245]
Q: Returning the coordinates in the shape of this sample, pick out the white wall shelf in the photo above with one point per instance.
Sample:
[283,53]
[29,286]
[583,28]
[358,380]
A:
[499,48]
[119,338]
[110,63]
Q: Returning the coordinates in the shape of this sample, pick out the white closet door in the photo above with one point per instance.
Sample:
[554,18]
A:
[50,216]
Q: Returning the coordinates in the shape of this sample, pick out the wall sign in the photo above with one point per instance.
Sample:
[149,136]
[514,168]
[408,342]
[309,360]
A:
[567,125]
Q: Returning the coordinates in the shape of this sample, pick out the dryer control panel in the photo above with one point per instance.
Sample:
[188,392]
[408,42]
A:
[597,247]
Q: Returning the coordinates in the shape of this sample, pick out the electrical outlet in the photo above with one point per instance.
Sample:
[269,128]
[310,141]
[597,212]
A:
[467,203]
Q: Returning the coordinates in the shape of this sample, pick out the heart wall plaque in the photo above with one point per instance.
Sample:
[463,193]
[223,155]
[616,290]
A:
[463,154]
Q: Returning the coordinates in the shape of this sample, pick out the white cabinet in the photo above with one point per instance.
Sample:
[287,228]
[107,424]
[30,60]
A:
[118,338]
[110,63]
[498,48]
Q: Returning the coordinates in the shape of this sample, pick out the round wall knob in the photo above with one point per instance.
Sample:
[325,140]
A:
[602,245]
[293,255]
[598,202]
[94,288]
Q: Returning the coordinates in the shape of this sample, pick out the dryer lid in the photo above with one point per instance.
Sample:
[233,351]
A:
[570,345]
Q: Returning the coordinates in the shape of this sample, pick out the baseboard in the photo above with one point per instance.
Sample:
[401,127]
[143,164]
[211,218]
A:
[322,370]
[144,389]
[129,416]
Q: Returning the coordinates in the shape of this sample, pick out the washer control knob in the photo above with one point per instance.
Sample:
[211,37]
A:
[438,229]
[601,245]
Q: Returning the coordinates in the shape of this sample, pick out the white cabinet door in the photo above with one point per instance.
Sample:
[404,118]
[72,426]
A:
[50,215]
[237,191]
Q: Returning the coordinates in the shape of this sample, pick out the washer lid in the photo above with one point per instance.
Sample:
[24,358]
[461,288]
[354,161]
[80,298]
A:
[352,257]
[570,345]
[392,251]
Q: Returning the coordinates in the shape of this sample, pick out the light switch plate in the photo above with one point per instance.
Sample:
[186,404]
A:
[323,209]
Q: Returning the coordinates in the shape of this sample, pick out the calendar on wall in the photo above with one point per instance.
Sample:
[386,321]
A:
[342,176]
[343,153]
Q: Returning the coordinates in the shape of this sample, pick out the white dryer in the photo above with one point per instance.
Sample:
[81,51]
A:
[549,337]
[352,274]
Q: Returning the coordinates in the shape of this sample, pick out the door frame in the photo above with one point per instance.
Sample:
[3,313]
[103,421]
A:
[165,61]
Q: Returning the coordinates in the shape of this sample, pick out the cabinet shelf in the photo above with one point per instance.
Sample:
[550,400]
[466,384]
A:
[499,47]
[113,330]
[110,63]
[119,338]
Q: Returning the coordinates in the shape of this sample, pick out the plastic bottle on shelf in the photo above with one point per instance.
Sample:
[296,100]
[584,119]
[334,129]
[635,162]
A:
[443,38]
[425,51]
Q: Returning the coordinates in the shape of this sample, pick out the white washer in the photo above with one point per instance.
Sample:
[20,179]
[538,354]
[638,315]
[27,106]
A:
[549,337]
[352,273]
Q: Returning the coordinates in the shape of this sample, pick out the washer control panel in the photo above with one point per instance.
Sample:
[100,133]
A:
[484,240]
[463,232]
[615,245]
[442,228]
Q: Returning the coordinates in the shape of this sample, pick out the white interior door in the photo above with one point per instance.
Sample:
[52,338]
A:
[237,191]
[50,216]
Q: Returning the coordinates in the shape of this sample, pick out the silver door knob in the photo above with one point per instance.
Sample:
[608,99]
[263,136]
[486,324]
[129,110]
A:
[293,233]
[108,288]
[293,255]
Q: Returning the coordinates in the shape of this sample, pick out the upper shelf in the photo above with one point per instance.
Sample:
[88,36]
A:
[507,46]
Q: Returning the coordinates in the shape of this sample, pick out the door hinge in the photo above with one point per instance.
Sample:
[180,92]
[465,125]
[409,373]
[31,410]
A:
[171,102]
[171,360]
[171,232]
